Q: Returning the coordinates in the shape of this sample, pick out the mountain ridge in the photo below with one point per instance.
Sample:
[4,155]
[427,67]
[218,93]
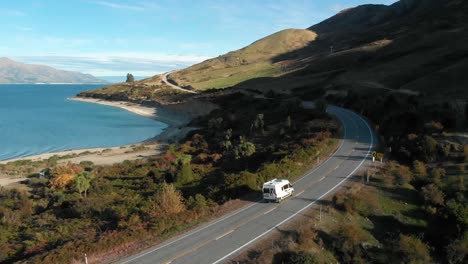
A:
[13,72]
[407,46]
[410,45]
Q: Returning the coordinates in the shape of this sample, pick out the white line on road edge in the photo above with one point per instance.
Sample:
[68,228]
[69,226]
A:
[307,206]
[235,213]
[189,234]
[240,210]
[323,163]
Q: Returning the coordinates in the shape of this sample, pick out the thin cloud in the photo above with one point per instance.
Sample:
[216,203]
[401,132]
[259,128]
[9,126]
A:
[133,7]
[116,64]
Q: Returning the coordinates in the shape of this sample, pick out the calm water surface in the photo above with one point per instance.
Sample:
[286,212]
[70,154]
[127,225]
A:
[36,119]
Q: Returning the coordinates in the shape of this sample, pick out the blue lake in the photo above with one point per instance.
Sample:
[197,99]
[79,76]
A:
[36,119]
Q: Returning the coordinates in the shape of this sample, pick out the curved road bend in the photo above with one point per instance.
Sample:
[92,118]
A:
[224,238]
[164,79]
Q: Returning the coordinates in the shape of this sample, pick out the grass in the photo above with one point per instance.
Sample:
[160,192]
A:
[253,61]
[228,77]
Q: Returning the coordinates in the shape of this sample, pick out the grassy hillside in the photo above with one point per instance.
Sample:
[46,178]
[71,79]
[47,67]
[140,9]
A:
[250,62]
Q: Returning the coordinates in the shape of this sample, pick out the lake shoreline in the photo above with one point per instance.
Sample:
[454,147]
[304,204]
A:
[176,130]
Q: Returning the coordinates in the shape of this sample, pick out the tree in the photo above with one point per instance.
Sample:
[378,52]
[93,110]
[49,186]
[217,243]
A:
[184,172]
[82,182]
[244,149]
[259,124]
[226,144]
[457,251]
[437,174]
[413,250]
[321,106]
[63,175]
[290,106]
[62,181]
[167,201]
[432,194]
[302,257]
[419,169]
[429,147]
[130,78]
[288,122]
[348,240]
[198,203]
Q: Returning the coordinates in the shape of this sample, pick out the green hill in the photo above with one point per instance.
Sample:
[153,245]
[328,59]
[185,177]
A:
[255,60]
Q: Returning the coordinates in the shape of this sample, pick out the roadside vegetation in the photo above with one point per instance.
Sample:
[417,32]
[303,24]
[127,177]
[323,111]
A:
[105,211]
[405,214]
[413,210]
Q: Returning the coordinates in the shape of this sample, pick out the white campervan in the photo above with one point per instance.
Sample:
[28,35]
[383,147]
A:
[276,190]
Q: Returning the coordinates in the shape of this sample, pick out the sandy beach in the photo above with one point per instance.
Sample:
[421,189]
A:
[151,112]
[107,156]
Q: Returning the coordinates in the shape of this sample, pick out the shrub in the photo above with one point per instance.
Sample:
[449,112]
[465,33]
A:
[457,251]
[413,250]
[302,257]
[197,203]
[433,195]
[167,201]
[419,169]
[348,243]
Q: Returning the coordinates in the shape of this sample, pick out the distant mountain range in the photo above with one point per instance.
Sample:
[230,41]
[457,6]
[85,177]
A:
[17,72]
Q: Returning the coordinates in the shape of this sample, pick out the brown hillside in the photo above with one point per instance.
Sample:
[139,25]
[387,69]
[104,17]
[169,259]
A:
[415,45]
[250,62]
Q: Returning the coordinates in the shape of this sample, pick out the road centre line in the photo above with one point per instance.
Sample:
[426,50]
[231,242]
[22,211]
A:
[310,204]
[268,211]
[225,234]
[301,192]
[245,208]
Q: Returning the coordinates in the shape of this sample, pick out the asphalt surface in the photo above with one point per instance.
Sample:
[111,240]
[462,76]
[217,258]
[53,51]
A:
[222,239]
[164,79]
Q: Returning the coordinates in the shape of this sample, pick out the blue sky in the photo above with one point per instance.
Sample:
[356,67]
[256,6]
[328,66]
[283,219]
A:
[113,37]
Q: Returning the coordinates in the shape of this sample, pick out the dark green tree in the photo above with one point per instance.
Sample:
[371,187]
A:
[184,173]
[130,78]
[321,105]
[244,149]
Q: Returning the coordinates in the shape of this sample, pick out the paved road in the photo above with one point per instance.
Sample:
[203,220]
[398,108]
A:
[224,238]
[164,79]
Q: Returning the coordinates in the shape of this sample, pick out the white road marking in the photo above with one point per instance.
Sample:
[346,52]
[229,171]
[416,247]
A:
[301,192]
[307,206]
[269,210]
[225,234]
[189,234]
[245,208]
